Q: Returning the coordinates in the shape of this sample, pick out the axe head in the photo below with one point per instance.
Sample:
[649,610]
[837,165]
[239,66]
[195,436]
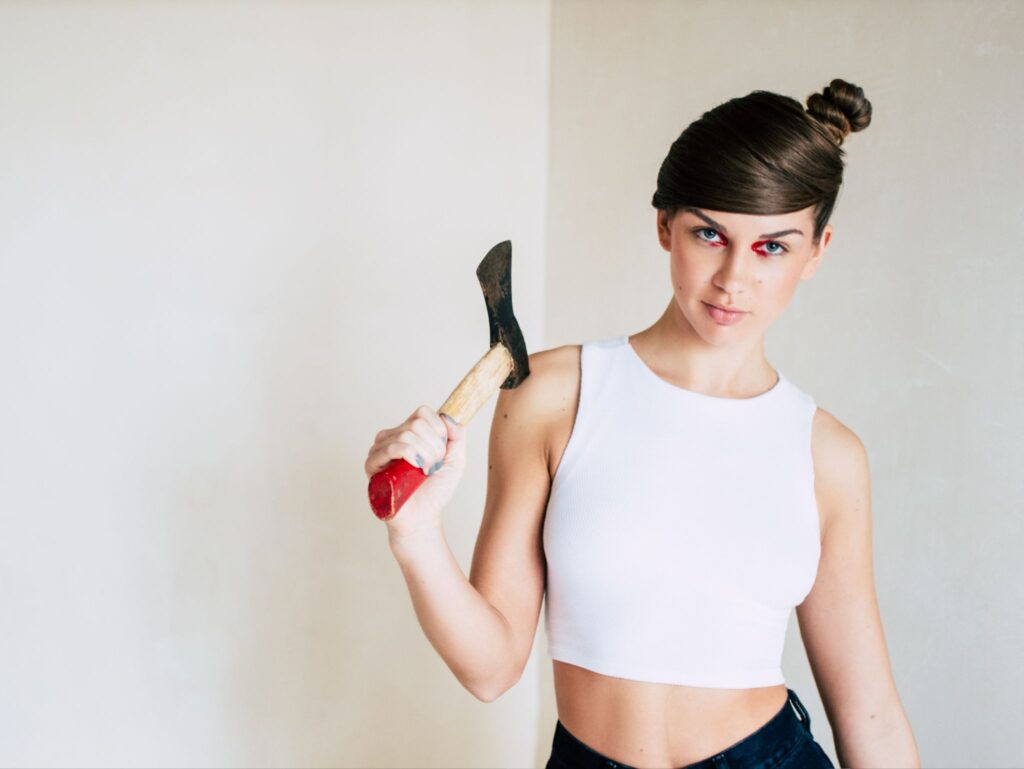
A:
[495,276]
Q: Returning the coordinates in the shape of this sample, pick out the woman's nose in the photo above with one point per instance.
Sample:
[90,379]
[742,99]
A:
[733,275]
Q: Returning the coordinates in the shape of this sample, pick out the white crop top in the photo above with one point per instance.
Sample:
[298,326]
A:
[681,528]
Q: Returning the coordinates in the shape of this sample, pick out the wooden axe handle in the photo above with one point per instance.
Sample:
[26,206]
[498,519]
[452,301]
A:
[393,484]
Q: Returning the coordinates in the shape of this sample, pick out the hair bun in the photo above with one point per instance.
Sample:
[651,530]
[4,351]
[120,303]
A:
[840,108]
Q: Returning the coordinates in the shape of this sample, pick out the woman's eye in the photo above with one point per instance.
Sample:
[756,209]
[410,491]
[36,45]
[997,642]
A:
[706,229]
[769,248]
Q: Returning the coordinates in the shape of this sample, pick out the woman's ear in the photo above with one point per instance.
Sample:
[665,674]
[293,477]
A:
[664,225]
[816,253]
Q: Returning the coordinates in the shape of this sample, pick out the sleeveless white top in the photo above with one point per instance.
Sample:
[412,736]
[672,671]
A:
[681,528]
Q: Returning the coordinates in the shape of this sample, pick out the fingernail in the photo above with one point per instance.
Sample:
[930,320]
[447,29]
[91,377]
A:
[419,461]
[436,467]
[449,419]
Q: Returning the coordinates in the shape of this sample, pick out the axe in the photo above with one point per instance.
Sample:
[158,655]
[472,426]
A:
[506,362]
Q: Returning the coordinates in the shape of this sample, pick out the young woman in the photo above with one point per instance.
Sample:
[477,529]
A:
[674,495]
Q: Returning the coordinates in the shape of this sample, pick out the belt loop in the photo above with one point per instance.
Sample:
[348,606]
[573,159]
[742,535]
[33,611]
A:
[805,717]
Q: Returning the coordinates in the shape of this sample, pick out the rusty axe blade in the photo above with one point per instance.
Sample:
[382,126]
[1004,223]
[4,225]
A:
[495,276]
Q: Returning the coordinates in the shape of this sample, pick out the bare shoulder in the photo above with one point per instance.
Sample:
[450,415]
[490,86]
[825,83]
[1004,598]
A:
[841,468]
[547,400]
[552,372]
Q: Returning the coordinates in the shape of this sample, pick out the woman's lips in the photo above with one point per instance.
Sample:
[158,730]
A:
[723,317]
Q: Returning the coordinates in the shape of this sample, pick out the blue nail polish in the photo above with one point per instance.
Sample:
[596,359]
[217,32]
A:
[419,461]
[436,467]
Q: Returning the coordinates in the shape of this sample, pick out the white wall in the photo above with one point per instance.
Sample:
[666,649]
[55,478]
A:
[912,330]
[236,240]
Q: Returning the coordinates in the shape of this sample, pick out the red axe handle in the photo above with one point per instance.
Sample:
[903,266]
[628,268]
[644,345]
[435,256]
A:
[393,484]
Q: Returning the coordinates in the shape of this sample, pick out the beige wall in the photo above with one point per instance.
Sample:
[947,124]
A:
[239,238]
[912,331]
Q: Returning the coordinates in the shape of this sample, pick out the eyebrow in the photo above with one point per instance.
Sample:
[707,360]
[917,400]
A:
[717,226]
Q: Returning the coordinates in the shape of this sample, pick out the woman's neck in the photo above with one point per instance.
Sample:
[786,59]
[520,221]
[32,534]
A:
[677,353]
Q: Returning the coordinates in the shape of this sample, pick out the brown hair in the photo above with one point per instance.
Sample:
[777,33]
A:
[764,154]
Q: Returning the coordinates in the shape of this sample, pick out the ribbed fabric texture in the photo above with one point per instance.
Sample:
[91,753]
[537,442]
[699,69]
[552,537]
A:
[681,528]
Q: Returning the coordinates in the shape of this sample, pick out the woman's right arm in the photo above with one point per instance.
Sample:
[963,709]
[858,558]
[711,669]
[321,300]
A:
[483,627]
[463,627]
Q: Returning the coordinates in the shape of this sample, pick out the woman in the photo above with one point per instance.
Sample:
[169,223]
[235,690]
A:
[675,496]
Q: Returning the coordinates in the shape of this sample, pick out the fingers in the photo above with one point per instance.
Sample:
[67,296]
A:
[434,437]
[455,429]
[428,424]
[401,442]
[421,441]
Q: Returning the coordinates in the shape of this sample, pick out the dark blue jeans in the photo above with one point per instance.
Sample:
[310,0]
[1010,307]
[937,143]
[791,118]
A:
[785,742]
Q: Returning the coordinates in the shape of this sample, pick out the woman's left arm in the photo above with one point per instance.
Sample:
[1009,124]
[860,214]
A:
[840,622]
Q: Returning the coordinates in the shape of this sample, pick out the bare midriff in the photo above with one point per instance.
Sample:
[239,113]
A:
[658,726]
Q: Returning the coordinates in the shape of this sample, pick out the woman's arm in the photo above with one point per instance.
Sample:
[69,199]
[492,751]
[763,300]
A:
[471,636]
[483,627]
[840,622]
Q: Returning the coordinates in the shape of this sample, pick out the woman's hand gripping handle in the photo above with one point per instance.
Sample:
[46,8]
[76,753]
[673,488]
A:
[425,454]
[392,462]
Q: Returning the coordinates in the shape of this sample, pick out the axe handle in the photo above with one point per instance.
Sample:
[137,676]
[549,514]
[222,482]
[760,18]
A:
[393,484]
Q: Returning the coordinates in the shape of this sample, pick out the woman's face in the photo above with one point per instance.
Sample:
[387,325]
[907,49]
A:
[738,261]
